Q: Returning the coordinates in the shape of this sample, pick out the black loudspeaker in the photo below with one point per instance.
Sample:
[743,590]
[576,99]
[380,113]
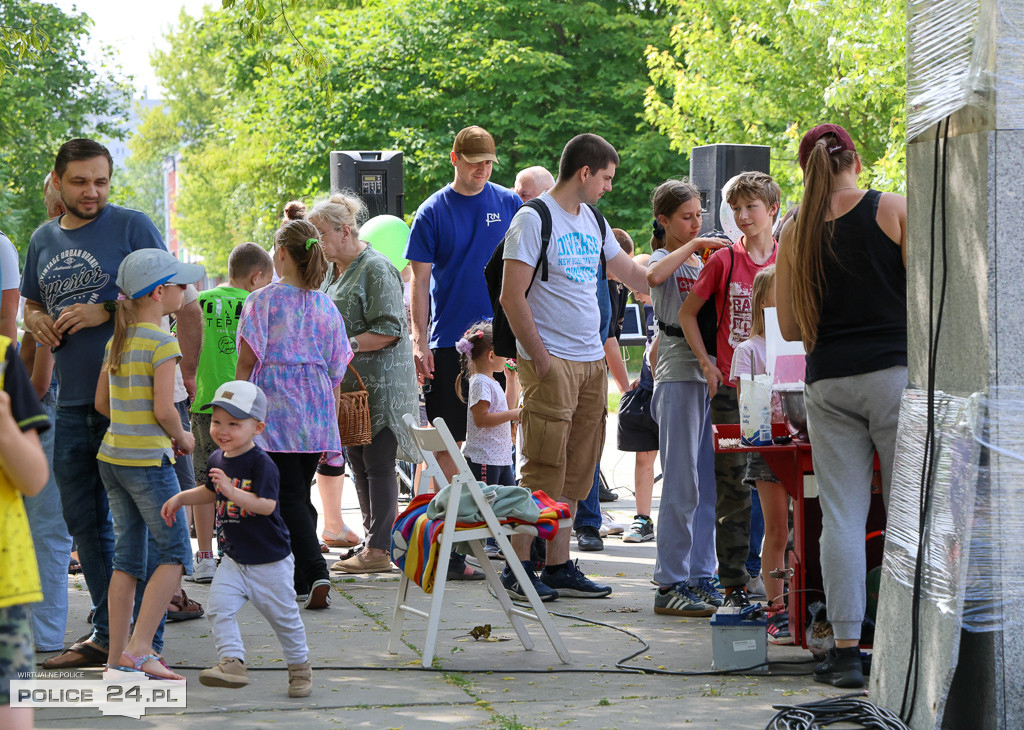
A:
[712,166]
[375,177]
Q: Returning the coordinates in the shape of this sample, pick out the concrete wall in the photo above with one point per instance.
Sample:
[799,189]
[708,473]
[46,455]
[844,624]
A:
[981,346]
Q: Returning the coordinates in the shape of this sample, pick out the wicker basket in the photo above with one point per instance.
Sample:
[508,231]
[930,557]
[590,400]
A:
[354,415]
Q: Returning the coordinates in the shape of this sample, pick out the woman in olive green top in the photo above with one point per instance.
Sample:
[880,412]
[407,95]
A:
[367,290]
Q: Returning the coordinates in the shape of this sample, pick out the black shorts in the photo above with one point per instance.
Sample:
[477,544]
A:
[439,394]
[638,431]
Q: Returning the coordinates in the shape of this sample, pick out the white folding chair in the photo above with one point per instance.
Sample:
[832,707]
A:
[439,438]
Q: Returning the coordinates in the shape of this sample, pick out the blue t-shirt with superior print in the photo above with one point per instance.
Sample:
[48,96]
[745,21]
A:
[79,266]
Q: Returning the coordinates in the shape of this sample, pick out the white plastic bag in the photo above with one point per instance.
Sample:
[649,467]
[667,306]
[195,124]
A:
[756,410]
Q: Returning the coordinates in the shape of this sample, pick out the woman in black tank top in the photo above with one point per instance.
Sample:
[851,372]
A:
[841,289]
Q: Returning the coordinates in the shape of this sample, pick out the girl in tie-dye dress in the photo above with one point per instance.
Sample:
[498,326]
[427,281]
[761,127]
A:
[292,343]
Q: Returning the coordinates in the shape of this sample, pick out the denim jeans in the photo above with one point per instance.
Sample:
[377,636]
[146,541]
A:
[136,494]
[588,511]
[79,430]
[53,550]
[756,534]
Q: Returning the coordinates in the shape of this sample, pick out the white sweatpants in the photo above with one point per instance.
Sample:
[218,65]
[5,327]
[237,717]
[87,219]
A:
[269,587]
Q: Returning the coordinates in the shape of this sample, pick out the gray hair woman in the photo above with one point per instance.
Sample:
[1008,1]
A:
[367,290]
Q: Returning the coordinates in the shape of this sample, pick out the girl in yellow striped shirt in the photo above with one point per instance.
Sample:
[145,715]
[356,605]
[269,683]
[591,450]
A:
[136,391]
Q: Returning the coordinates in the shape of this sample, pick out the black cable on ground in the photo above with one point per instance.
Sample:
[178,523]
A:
[851,708]
[619,667]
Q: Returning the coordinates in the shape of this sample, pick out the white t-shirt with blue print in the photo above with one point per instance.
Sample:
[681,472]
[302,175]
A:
[565,306]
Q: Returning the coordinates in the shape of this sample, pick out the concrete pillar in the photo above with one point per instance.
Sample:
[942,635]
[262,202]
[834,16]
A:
[981,346]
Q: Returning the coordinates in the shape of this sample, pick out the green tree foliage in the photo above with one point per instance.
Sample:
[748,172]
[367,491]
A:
[48,94]
[764,73]
[256,130]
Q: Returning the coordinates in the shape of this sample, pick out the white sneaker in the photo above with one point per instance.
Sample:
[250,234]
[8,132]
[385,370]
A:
[609,526]
[204,570]
[755,587]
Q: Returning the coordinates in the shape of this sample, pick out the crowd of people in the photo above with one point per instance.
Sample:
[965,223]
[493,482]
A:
[173,408]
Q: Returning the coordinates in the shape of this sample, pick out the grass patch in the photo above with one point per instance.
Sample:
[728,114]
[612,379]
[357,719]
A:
[614,397]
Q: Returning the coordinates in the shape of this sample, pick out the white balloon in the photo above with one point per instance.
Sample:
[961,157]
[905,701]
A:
[729,222]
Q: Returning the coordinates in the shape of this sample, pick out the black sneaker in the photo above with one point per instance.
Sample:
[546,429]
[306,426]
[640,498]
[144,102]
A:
[570,581]
[841,668]
[508,579]
[588,539]
[737,599]
[778,629]
[605,494]
[640,530]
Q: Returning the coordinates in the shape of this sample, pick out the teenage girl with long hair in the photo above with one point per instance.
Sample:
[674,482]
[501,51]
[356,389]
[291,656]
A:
[686,541]
[841,288]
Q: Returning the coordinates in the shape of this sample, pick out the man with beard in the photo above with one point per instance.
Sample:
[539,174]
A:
[71,300]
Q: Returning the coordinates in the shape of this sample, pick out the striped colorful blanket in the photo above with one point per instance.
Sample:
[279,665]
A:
[415,539]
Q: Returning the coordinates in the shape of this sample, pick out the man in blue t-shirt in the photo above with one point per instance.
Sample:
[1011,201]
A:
[454,233]
[71,297]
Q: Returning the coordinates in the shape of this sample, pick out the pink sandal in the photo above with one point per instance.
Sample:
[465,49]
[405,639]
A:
[138,662]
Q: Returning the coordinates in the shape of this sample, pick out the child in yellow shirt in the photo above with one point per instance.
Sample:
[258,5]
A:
[23,472]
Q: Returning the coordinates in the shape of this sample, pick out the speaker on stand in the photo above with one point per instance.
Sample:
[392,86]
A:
[712,165]
[375,177]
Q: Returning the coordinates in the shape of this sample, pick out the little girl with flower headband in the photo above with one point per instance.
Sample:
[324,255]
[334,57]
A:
[488,447]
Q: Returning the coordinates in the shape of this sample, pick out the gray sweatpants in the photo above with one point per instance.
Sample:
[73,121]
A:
[848,419]
[269,587]
[686,513]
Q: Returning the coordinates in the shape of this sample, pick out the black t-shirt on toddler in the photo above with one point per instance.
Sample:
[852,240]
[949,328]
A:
[248,538]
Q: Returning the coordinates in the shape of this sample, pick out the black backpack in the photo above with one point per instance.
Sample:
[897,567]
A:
[503,337]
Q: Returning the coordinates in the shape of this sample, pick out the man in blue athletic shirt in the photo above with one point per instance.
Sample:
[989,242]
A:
[71,298]
[454,233]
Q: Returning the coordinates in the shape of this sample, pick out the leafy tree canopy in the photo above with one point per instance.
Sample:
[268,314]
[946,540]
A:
[254,130]
[766,72]
[48,94]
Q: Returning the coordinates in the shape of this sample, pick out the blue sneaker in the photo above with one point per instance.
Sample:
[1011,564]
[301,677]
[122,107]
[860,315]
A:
[570,581]
[508,579]
[707,591]
[680,600]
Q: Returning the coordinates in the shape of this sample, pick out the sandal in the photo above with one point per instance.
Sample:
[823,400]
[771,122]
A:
[79,654]
[185,609]
[74,567]
[459,569]
[346,538]
[139,661]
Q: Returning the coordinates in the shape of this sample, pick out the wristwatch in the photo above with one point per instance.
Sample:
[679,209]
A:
[111,307]
[354,344]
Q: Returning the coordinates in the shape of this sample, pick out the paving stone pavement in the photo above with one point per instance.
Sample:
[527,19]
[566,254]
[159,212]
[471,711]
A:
[479,684]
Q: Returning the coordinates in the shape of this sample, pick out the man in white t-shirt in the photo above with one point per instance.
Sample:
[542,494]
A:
[561,351]
[10,279]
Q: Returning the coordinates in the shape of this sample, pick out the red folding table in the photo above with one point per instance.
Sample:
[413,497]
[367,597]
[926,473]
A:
[792,464]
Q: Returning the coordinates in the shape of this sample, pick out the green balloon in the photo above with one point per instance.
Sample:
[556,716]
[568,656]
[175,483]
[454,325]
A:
[388,234]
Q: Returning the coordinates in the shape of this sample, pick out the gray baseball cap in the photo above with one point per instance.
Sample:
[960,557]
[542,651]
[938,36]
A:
[241,399]
[144,270]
